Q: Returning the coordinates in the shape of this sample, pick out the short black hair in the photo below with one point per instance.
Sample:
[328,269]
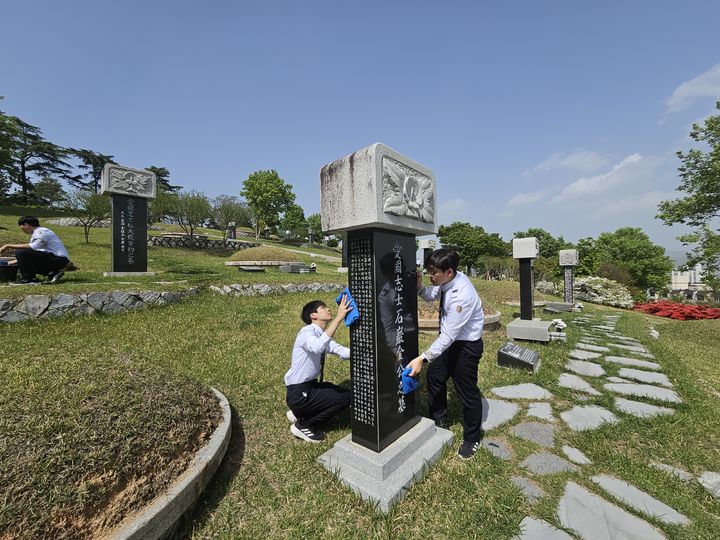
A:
[443,259]
[29,220]
[309,309]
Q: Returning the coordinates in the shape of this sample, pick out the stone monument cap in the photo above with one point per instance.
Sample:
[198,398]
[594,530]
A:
[127,181]
[427,243]
[568,257]
[525,248]
[377,187]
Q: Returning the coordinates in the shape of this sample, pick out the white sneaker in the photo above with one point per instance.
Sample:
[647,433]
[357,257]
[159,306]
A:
[291,417]
[307,434]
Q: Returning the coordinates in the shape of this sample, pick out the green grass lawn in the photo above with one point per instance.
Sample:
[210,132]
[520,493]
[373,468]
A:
[270,485]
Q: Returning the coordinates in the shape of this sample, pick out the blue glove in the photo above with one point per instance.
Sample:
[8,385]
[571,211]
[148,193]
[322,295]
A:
[409,384]
[352,315]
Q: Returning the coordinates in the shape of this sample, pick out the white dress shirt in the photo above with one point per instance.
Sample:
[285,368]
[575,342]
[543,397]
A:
[43,239]
[462,313]
[310,344]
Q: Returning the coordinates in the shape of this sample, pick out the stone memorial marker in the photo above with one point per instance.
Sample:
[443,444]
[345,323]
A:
[526,250]
[379,200]
[568,262]
[129,191]
[511,355]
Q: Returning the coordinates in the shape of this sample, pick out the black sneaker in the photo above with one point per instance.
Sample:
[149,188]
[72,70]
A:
[467,449]
[307,434]
[27,281]
[54,277]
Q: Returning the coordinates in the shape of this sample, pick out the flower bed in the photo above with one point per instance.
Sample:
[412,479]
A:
[679,312]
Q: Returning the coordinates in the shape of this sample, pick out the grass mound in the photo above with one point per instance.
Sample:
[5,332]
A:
[88,441]
[267,253]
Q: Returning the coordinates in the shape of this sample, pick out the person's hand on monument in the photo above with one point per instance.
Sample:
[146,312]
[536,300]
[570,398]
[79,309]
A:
[416,365]
[418,277]
[344,308]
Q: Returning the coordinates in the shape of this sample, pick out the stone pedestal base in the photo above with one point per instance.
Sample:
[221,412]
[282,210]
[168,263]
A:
[385,477]
[127,274]
[560,306]
[535,330]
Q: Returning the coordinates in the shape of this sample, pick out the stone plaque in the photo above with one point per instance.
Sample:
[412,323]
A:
[126,181]
[382,281]
[129,235]
[569,284]
[568,257]
[377,187]
[511,355]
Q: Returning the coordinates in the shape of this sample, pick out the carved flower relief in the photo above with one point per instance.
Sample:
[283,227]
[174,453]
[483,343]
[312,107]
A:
[407,194]
[128,181]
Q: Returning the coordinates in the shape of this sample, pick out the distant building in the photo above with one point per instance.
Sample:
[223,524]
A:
[687,279]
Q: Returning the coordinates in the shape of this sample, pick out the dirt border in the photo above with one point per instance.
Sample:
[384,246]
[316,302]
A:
[158,517]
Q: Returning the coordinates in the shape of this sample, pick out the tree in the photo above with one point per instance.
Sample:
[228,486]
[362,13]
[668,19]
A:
[294,221]
[92,165]
[471,242]
[700,208]
[162,178]
[549,245]
[192,210]
[162,206]
[49,192]
[229,209]
[314,222]
[631,248]
[587,257]
[268,196]
[28,155]
[89,208]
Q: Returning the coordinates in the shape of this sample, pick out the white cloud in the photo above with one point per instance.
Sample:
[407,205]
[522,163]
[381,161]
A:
[585,187]
[705,85]
[580,160]
[454,210]
[638,204]
[522,199]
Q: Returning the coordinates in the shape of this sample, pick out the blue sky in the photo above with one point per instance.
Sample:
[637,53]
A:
[563,115]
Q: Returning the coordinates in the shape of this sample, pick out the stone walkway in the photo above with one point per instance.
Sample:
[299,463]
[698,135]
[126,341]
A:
[604,362]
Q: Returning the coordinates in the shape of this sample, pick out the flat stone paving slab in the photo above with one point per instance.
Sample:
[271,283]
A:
[522,391]
[618,379]
[644,390]
[497,448]
[625,361]
[541,410]
[681,475]
[530,489]
[497,412]
[589,347]
[646,376]
[574,382]
[589,369]
[544,463]
[537,529]
[592,517]
[585,417]
[711,481]
[639,500]
[575,455]
[631,348]
[536,432]
[639,409]
[579,354]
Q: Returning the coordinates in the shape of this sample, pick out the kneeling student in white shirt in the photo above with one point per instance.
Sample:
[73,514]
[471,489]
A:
[312,403]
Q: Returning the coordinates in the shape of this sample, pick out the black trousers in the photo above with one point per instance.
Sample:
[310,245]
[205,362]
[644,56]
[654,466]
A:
[31,262]
[460,361]
[313,403]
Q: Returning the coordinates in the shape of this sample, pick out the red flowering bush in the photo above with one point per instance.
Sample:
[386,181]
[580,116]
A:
[679,312]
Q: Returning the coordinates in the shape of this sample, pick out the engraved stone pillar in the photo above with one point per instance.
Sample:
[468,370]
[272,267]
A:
[129,191]
[379,200]
[568,261]
[526,250]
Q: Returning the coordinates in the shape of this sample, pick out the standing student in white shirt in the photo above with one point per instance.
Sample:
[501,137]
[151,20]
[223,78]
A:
[457,350]
[312,403]
[45,254]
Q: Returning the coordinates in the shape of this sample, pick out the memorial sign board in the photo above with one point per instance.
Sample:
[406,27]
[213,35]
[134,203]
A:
[512,355]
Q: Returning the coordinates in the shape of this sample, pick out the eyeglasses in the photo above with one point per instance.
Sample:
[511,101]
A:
[435,272]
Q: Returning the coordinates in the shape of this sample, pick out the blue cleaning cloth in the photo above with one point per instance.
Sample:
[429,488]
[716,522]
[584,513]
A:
[409,384]
[352,315]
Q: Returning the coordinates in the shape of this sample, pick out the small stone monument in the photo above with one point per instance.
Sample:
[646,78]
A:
[231,231]
[129,191]
[427,246]
[568,262]
[380,200]
[526,250]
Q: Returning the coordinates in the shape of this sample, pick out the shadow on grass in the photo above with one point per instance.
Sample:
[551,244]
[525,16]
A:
[210,498]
